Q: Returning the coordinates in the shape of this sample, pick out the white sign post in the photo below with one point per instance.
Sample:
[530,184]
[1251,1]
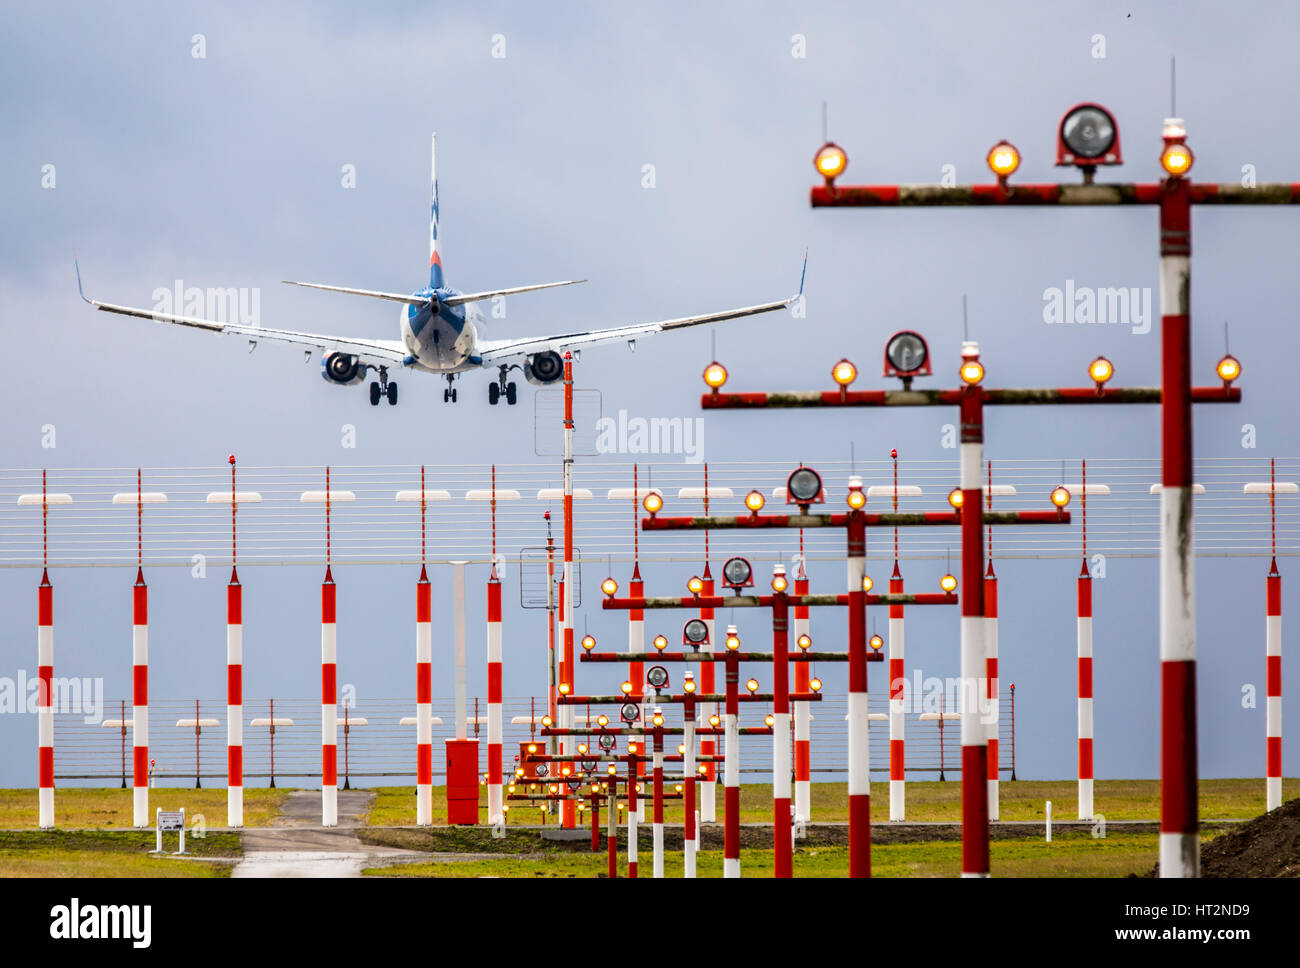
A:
[170,820]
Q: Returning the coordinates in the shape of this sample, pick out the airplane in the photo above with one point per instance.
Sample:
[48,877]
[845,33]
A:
[440,332]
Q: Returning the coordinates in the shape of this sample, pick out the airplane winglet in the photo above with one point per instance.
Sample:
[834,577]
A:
[77,266]
[802,275]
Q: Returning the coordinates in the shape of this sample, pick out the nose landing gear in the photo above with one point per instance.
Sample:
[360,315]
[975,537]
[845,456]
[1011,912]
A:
[502,388]
[449,394]
[383,388]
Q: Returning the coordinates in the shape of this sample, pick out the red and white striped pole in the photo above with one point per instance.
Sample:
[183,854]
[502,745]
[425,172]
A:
[991,661]
[495,799]
[690,832]
[1273,659]
[636,617]
[139,674]
[731,764]
[1084,585]
[708,681]
[859,723]
[897,681]
[991,683]
[1180,854]
[234,673]
[423,681]
[45,674]
[1273,699]
[782,839]
[634,749]
[707,788]
[802,710]
[329,749]
[657,831]
[567,812]
[974,734]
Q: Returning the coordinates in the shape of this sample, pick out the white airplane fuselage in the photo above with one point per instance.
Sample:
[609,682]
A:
[444,341]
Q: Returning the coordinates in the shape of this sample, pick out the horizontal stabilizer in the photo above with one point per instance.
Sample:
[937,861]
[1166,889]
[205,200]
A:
[468,297]
[390,296]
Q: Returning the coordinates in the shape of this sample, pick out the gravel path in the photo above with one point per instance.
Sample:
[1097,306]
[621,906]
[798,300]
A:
[296,845]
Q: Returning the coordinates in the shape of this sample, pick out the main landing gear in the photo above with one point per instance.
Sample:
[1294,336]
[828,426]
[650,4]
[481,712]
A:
[449,394]
[502,389]
[383,388]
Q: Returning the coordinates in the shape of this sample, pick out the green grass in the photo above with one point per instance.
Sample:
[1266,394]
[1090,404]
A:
[1235,799]
[100,853]
[1071,854]
[82,807]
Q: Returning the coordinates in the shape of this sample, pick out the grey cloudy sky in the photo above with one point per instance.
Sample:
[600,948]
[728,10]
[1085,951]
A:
[225,171]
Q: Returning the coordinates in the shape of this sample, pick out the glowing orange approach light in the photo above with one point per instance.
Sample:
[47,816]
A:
[715,375]
[830,161]
[805,641]
[972,372]
[751,685]
[769,719]
[610,587]
[1176,159]
[815,684]
[695,585]
[948,583]
[588,642]
[779,582]
[844,373]
[1101,370]
[955,497]
[661,642]
[653,502]
[876,643]
[1229,368]
[1060,495]
[1003,159]
[867,583]
[754,500]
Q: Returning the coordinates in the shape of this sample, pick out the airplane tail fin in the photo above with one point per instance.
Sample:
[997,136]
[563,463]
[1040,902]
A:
[435,259]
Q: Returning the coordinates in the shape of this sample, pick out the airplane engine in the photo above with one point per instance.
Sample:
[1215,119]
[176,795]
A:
[341,368]
[543,368]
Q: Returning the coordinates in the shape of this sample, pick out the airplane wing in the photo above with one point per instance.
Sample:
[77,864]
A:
[385,351]
[495,351]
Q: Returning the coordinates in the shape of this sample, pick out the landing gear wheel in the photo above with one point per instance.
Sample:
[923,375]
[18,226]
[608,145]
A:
[494,394]
[392,394]
[446,395]
[511,394]
[453,396]
[374,394]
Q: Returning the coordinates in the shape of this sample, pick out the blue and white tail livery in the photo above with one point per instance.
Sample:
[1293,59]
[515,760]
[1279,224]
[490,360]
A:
[439,331]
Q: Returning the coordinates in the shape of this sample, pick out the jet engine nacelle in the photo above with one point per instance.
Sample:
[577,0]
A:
[543,368]
[342,368]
